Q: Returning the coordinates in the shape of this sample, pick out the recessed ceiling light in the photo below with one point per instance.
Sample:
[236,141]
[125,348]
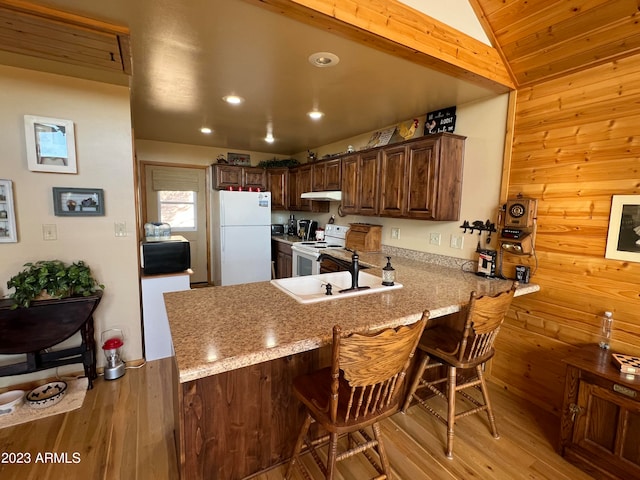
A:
[315,115]
[269,138]
[233,99]
[323,59]
[206,130]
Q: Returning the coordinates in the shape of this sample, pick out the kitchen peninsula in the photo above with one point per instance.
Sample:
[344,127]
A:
[239,347]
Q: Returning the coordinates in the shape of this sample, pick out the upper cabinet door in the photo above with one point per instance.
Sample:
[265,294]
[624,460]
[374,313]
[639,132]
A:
[421,180]
[368,169]
[349,183]
[254,177]
[332,174]
[226,176]
[277,185]
[393,164]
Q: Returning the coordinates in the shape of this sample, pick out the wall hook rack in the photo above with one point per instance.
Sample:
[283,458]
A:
[478,225]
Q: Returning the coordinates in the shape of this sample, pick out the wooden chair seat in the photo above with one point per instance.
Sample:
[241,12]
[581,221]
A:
[442,342]
[467,349]
[360,388]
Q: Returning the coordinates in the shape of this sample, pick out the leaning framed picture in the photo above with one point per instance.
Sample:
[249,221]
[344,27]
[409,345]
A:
[623,239]
[51,145]
[78,202]
[8,232]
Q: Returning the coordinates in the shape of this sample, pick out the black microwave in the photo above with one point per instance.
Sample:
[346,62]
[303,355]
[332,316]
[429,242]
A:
[168,255]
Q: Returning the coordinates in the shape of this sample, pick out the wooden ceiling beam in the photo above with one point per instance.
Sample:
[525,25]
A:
[399,30]
[38,31]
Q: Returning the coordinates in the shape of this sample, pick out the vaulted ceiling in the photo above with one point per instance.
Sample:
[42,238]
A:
[542,39]
[396,62]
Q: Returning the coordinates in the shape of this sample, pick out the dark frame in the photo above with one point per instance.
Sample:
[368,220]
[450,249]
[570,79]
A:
[623,238]
[78,202]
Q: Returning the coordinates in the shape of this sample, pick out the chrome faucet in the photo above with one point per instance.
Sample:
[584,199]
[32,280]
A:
[354,269]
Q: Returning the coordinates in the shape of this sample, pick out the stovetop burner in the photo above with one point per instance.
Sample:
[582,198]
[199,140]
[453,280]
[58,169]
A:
[334,238]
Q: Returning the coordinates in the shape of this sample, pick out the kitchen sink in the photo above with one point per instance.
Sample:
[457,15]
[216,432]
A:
[312,288]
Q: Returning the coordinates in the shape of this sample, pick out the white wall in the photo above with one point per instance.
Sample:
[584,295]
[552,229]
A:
[102,119]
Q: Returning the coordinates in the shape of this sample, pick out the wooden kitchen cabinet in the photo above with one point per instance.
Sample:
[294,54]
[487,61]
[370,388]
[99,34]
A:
[277,184]
[422,179]
[299,182]
[393,163]
[234,176]
[600,423]
[326,175]
[360,183]
[282,256]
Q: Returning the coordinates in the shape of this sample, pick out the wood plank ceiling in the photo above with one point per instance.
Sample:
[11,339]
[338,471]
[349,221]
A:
[43,32]
[544,39]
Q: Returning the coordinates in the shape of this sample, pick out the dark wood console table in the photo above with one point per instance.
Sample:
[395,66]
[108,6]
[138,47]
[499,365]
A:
[46,323]
[600,424]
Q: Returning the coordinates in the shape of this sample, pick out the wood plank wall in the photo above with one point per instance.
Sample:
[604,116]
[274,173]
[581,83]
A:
[576,143]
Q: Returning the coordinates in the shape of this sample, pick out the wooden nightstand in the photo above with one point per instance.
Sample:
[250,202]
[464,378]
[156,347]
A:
[600,424]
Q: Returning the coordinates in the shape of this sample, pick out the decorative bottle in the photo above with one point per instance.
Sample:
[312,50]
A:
[606,322]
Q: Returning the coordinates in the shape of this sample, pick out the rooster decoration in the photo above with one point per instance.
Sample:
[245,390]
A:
[406,130]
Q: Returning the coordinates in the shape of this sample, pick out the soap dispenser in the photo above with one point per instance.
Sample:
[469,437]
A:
[388,274]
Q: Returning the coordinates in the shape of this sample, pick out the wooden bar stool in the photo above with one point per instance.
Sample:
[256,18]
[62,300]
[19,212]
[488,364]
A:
[359,389]
[468,348]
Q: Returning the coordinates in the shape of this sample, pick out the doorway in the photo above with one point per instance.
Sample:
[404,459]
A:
[177,195]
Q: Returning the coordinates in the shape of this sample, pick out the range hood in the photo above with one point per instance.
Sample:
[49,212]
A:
[328,196]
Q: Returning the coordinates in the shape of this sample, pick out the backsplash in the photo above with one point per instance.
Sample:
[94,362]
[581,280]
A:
[427,257]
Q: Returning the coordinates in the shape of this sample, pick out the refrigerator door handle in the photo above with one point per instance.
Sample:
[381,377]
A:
[222,209]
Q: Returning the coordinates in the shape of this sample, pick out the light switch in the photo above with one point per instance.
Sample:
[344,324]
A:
[49,231]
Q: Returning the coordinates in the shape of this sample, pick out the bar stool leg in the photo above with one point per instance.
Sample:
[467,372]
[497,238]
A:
[451,410]
[416,381]
[384,460]
[487,402]
[333,453]
[298,447]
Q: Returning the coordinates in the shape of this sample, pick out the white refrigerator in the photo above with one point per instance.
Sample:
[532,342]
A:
[241,240]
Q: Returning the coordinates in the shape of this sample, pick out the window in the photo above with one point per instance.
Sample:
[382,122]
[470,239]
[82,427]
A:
[178,209]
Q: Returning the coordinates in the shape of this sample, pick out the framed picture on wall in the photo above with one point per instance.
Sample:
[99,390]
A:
[623,239]
[51,145]
[7,213]
[78,202]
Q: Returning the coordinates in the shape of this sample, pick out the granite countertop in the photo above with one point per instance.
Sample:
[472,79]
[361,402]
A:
[218,329]
[289,239]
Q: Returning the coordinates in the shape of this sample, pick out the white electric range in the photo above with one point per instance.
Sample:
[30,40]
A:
[305,254]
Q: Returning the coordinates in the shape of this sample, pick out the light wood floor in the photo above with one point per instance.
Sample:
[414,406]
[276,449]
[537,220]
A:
[124,431]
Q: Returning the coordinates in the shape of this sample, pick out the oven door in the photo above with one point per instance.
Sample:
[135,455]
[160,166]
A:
[304,263]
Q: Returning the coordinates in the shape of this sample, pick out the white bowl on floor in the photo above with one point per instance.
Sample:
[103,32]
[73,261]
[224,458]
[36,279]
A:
[47,395]
[10,400]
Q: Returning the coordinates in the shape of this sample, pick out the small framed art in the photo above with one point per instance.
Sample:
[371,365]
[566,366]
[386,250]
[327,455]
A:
[51,145]
[78,202]
[623,239]
[8,232]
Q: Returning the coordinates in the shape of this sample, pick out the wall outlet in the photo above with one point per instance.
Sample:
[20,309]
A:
[456,241]
[49,232]
[395,233]
[120,229]
[434,238]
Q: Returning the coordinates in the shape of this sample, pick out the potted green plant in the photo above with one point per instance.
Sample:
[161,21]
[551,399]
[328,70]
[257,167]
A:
[52,279]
